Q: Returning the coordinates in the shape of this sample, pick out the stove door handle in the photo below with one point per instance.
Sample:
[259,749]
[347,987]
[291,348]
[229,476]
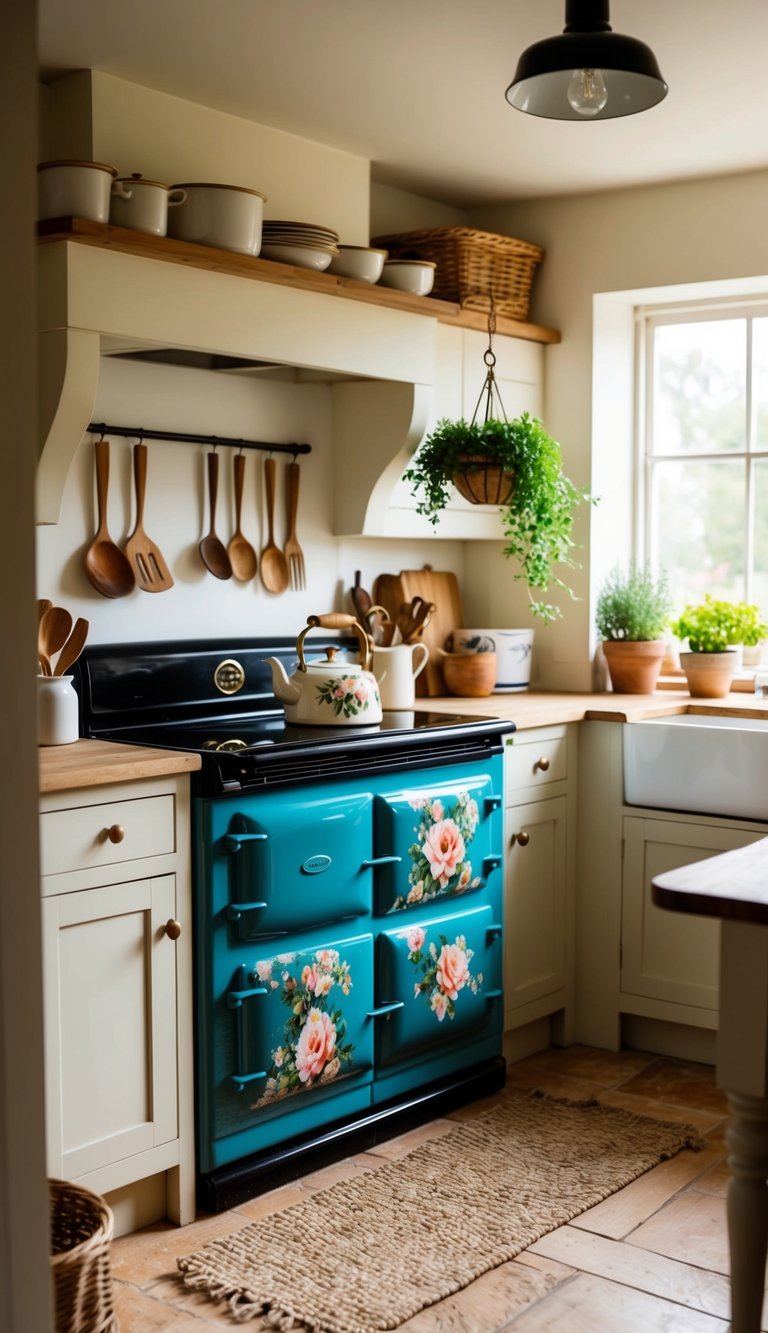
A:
[491,863]
[240,1081]
[387,1008]
[234,841]
[493,994]
[492,803]
[380,861]
[235,910]
[235,997]
[494,931]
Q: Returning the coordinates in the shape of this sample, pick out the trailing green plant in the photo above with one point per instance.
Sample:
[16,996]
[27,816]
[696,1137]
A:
[750,628]
[538,517]
[633,607]
[709,627]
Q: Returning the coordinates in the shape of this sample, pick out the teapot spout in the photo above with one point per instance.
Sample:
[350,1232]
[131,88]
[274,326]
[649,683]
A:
[283,689]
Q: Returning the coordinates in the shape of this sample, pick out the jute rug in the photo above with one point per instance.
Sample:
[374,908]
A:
[368,1253]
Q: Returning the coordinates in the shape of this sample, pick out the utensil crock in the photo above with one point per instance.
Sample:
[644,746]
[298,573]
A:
[57,710]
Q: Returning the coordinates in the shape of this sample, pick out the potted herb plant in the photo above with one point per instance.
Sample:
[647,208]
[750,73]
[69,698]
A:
[711,628]
[516,465]
[751,631]
[631,615]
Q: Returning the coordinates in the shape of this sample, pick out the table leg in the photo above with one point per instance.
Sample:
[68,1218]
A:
[747,1143]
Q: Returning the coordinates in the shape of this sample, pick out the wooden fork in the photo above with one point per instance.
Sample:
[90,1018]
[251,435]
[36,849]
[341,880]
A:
[292,551]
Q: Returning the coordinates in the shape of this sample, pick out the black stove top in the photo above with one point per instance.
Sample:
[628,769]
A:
[173,695]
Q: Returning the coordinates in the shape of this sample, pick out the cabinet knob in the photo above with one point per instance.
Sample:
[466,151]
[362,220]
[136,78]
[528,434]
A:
[173,929]
[542,763]
[116,833]
[522,838]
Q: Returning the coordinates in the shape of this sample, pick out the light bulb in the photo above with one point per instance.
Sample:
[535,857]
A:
[587,92]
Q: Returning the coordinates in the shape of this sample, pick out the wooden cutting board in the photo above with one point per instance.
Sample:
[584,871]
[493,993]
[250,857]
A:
[442,588]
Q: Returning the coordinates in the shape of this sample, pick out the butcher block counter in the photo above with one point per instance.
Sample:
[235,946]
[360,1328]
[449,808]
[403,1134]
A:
[536,708]
[89,763]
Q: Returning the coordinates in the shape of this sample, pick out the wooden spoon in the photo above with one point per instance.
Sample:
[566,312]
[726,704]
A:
[212,551]
[106,566]
[242,556]
[274,566]
[73,647]
[52,634]
[361,600]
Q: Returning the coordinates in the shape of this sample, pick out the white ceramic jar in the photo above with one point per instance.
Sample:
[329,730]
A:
[143,205]
[513,649]
[57,710]
[227,216]
[74,190]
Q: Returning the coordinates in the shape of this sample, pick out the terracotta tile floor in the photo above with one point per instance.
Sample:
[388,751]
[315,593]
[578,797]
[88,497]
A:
[652,1258]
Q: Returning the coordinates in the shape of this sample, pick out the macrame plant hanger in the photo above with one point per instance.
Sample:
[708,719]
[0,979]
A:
[484,481]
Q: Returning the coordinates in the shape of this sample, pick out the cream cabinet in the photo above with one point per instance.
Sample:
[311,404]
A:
[539,795]
[459,376]
[116,916]
[670,961]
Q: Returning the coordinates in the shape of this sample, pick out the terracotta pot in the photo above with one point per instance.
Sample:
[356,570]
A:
[709,675]
[634,664]
[472,675]
[489,485]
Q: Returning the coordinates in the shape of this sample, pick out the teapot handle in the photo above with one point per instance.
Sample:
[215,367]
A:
[335,620]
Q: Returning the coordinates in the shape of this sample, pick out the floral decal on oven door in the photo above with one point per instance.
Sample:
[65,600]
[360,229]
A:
[313,1050]
[441,864]
[444,971]
[349,695]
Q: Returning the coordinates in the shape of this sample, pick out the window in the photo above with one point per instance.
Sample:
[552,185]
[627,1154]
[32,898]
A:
[706,452]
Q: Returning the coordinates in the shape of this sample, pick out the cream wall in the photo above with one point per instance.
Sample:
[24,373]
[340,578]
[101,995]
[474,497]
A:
[662,236]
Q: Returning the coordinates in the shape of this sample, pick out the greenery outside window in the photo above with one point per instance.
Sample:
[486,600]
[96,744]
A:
[705,460]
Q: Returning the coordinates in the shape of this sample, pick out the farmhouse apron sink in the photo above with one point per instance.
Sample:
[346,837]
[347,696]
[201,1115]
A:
[708,765]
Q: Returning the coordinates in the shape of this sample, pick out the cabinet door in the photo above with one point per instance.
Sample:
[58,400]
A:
[668,955]
[534,902]
[110,1024]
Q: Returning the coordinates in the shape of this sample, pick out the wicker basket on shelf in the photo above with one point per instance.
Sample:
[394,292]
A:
[473,267]
[81,1232]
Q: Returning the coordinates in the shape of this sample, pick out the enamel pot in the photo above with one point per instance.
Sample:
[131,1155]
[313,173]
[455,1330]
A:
[227,216]
[143,205]
[74,190]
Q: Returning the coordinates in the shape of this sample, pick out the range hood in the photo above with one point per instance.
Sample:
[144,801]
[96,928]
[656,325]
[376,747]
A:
[95,301]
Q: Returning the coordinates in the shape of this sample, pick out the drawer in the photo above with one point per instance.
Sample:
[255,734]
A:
[534,760]
[106,835]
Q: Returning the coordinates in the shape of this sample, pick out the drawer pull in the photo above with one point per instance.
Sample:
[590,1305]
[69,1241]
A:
[172,929]
[116,833]
[522,838]
[542,764]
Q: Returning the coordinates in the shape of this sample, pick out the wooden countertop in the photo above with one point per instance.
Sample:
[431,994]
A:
[92,763]
[733,886]
[537,708]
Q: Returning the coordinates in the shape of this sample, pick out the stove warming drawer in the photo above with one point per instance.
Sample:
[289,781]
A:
[349,960]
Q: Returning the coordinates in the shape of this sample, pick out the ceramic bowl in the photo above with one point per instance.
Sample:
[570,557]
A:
[409,275]
[362,262]
[303,256]
[227,216]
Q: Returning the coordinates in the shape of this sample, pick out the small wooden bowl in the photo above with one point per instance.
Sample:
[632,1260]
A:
[470,674]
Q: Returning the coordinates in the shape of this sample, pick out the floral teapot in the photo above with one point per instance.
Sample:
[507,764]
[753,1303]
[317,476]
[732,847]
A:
[324,692]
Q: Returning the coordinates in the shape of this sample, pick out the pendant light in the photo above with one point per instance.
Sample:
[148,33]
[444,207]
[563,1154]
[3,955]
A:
[589,72]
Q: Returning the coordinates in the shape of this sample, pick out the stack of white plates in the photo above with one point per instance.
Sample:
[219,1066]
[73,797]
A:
[299,243]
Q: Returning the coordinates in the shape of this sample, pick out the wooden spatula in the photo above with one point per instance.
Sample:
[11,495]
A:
[73,647]
[146,559]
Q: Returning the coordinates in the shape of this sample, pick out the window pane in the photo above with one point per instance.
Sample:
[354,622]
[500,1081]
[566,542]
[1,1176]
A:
[760,579]
[699,398]
[760,381]
[697,528]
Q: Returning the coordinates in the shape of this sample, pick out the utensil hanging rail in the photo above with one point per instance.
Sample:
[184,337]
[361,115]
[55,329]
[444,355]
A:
[137,432]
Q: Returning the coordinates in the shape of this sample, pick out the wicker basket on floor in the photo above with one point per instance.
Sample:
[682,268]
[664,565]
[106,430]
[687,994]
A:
[473,266]
[81,1232]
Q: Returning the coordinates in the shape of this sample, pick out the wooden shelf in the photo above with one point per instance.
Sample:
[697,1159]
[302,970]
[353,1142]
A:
[172,251]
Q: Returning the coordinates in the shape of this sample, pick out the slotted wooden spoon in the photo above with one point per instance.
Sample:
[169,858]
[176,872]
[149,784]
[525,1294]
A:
[149,568]
[106,565]
[242,556]
[213,552]
[274,566]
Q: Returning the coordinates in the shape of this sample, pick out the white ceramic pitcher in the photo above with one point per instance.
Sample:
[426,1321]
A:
[396,669]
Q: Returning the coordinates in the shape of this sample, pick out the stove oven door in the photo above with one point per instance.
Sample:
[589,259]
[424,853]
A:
[291,1033]
[439,993]
[437,840]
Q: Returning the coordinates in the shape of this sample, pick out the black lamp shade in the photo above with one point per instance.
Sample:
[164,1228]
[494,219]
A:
[631,75]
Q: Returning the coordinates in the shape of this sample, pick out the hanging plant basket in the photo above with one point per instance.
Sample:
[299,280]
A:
[482,482]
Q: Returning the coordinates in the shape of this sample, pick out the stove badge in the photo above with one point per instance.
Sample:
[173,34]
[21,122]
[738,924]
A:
[229,676]
[315,865]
